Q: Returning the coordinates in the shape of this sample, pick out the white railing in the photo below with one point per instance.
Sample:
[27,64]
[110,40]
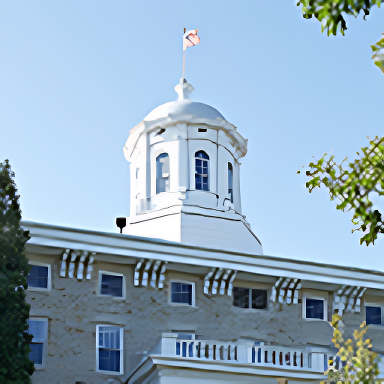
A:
[244,353]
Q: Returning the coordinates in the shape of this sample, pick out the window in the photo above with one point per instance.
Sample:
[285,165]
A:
[39,277]
[374,314]
[109,348]
[111,284]
[314,308]
[201,171]
[249,298]
[182,293]
[162,173]
[39,329]
[230,182]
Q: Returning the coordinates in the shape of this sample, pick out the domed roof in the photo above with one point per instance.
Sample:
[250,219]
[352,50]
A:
[183,106]
[185,111]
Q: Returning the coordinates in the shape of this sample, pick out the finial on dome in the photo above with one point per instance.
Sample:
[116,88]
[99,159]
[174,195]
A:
[184,89]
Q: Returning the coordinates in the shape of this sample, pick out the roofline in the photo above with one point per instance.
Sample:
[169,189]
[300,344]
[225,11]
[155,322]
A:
[144,248]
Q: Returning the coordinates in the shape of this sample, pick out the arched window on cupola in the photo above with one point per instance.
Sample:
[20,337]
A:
[230,182]
[162,173]
[201,171]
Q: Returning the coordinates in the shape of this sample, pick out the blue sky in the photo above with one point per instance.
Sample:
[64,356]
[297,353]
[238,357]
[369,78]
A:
[76,76]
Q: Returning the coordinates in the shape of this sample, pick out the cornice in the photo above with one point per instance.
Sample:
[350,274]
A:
[46,235]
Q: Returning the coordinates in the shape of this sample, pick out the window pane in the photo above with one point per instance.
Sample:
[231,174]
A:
[162,173]
[201,171]
[259,299]
[109,337]
[38,277]
[36,354]
[198,182]
[205,184]
[109,360]
[37,328]
[373,315]
[314,309]
[230,182]
[241,297]
[112,285]
[202,155]
[181,293]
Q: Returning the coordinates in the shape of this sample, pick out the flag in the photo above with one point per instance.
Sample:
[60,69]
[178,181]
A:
[190,39]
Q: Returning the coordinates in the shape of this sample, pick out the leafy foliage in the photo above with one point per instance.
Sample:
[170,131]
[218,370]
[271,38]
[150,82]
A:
[358,363]
[15,366]
[378,53]
[353,185]
[331,13]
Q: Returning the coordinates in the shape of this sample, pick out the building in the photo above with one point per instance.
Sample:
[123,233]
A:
[184,293]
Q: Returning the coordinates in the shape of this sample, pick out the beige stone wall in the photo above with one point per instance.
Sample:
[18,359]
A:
[74,308]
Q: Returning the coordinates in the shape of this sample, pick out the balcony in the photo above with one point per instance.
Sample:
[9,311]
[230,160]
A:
[239,360]
[244,353]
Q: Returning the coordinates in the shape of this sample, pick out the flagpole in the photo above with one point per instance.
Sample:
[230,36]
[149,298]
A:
[183,64]
[185,29]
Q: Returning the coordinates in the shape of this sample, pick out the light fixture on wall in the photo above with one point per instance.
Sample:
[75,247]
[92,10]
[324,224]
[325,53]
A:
[121,222]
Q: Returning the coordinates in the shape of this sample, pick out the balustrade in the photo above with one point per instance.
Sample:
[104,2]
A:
[244,353]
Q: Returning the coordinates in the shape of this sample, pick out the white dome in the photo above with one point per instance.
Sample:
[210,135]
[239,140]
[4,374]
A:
[184,107]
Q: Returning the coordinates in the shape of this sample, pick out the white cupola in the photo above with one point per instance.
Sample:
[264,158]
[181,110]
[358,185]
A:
[185,177]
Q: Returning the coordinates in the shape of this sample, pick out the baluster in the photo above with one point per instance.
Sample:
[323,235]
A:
[210,351]
[198,350]
[260,355]
[192,349]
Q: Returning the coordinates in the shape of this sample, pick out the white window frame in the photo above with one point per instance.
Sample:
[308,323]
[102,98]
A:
[193,293]
[113,274]
[377,305]
[250,299]
[121,349]
[230,195]
[45,342]
[325,306]
[166,175]
[49,280]
[208,175]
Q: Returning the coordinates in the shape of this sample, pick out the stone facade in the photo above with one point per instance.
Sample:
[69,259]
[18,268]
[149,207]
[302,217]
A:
[74,308]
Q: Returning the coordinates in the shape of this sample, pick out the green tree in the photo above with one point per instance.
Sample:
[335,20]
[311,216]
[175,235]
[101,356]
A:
[353,185]
[15,366]
[331,14]
[358,363]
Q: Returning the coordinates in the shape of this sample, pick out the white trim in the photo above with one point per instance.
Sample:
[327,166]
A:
[45,342]
[182,282]
[304,306]
[121,329]
[123,288]
[128,246]
[377,305]
[49,280]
